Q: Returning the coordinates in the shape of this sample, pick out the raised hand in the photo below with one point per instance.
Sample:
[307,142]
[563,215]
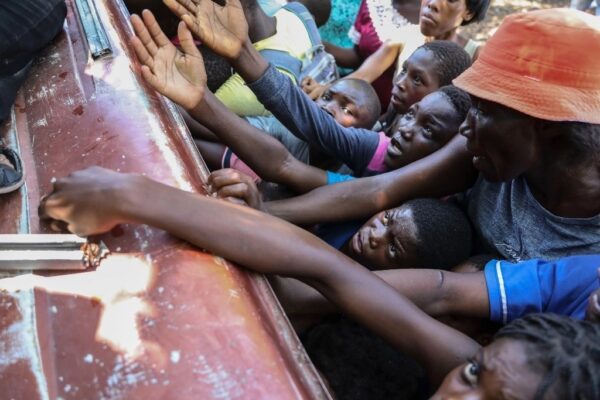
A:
[178,75]
[235,187]
[222,28]
[312,88]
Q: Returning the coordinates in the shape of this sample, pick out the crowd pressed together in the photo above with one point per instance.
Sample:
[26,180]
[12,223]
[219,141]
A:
[444,194]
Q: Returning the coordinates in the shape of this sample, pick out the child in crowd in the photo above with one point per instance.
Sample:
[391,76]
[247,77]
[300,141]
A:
[541,150]
[427,126]
[351,102]
[284,34]
[420,233]
[438,20]
[530,356]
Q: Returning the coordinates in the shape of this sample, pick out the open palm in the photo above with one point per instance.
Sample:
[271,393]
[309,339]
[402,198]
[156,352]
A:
[178,75]
[222,28]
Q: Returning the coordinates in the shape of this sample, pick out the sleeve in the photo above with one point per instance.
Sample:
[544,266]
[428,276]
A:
[562,286]
[298,113]
[334,177]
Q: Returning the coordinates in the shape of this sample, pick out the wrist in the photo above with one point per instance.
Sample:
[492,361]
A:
[128,197]
[249,63]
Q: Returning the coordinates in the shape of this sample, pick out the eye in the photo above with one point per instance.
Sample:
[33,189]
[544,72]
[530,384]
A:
[470,373]
[326,96]
[347,111]
[428,133]
[392,250]
[417,80]
[385,219]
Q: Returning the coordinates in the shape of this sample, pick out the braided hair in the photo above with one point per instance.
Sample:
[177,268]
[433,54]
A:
[567,350]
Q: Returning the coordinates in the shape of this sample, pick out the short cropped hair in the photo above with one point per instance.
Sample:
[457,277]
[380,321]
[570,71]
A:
[444,234]
[371,100]
[461,101]
[451,59]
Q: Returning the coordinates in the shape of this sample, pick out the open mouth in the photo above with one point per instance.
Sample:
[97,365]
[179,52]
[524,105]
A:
[394,149]
[357,243]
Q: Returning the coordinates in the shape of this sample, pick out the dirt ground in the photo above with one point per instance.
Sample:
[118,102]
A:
[500,8]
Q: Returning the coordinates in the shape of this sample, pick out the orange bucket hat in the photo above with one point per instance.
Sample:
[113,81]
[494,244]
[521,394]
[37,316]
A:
[543,63]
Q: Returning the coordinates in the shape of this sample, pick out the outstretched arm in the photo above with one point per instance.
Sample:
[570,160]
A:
[95,200]
[300,115]
[445,172]
[264,154]
[436,292]
[377,63]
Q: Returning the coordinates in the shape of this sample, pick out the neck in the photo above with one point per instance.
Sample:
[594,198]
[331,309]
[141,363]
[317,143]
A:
[564,189]
[452,35]
[260,25]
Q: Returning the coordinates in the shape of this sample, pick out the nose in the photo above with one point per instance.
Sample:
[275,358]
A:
[433,5]
[377,235]
[406,131]
[400,82]
[465,128]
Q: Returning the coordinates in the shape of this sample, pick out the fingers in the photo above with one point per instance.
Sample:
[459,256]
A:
[238,191]
[181,7]
[226,176]
[151,78]
[141,52]
[157,34]
[143,35]
[187,41]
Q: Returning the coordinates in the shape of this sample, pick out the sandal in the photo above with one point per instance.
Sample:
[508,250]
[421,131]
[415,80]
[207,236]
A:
[11,170]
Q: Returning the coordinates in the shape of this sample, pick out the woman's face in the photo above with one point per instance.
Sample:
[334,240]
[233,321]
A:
[504,142]
[440,17]
[499,371]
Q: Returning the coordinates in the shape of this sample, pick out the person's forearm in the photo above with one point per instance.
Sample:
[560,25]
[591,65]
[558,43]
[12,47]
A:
[304,118]
[263,153]
[249,64]
[445,172]
[344,57]
[377,63]
[436,292]
[263,244]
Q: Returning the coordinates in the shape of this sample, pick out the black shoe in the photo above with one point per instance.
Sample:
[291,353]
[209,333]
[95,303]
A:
[11,178]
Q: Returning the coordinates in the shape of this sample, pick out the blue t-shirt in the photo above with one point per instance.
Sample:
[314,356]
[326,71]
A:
[562,286]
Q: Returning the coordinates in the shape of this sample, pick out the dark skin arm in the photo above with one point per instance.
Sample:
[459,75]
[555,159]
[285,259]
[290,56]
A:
[438,293]
[263,153]
[95,200]
[445,172]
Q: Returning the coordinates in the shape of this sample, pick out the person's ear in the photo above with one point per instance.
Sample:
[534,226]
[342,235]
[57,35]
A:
[468,15]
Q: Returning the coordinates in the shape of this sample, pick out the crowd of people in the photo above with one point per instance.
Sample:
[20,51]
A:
[443,193]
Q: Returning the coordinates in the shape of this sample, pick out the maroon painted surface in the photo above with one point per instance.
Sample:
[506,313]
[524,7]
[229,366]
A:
[158,319]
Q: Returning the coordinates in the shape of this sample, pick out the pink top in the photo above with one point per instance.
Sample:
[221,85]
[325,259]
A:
[377,163]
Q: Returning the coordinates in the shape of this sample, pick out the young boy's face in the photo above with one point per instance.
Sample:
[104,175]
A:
[423,129]
[346,104]
[387,240]
[416,80]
